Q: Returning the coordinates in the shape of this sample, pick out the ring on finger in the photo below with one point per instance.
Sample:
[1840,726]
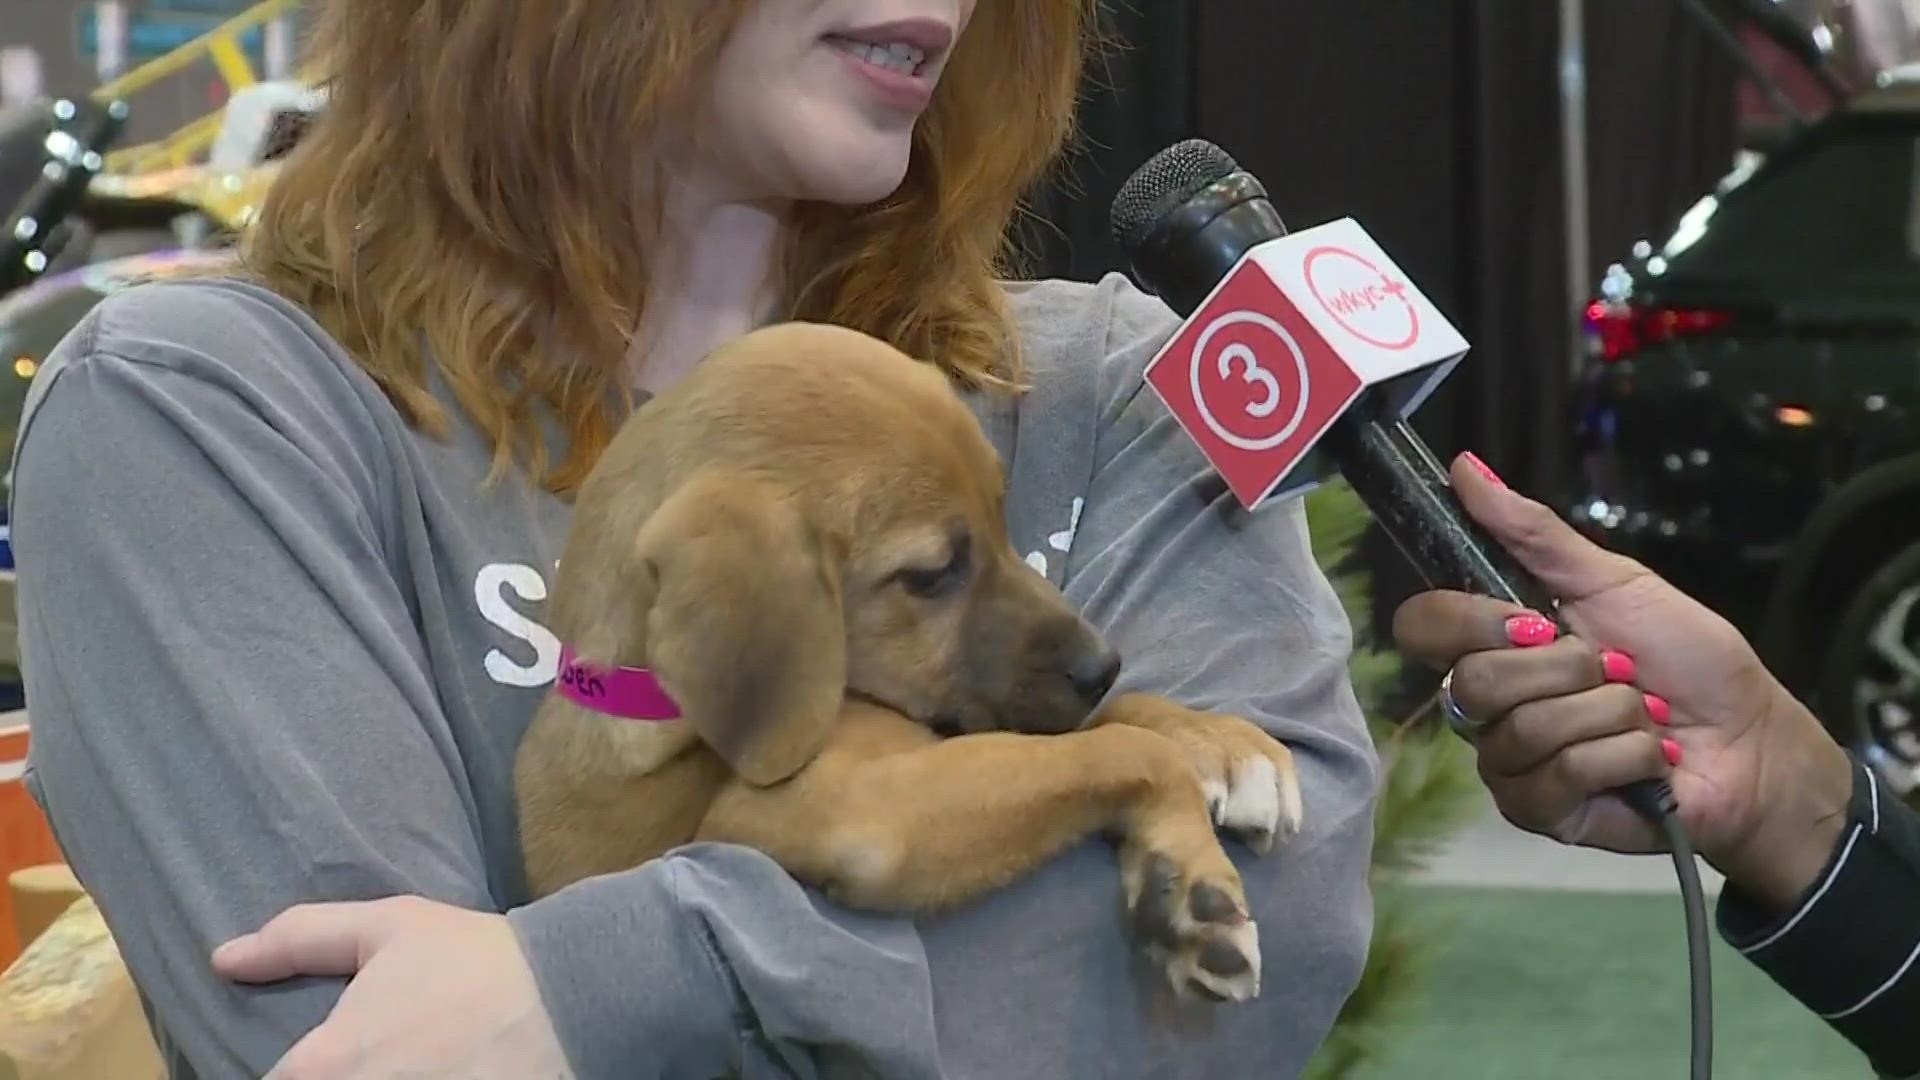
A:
[1463,725]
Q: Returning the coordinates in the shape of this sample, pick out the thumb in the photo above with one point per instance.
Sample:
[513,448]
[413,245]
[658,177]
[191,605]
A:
[1569,565]
[307,939]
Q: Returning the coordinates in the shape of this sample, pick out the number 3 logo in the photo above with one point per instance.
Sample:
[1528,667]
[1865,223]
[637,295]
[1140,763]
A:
[1252,372]
[1245,357]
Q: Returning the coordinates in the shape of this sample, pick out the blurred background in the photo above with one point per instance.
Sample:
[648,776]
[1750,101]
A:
[1682,235]
[58,47]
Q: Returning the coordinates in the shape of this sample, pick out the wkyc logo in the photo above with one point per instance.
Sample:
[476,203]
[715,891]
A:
[1366,301]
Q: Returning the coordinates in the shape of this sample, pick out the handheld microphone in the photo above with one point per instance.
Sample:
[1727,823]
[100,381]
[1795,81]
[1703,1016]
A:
[1308,351]
[1352,337]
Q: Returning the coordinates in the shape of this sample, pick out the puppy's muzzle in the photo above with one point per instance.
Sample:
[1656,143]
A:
[1082,670]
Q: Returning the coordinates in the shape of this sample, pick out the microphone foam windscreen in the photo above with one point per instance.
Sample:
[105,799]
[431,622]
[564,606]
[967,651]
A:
[1169,178]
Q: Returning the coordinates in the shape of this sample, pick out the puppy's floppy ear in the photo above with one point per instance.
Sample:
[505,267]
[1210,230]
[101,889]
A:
[743,620]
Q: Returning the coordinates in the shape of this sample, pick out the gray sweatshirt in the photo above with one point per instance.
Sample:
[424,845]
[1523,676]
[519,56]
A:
[280,648]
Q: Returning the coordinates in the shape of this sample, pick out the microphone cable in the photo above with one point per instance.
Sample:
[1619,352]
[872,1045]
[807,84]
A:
[1654,801]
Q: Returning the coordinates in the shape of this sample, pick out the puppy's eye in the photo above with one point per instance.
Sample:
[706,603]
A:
[932,582]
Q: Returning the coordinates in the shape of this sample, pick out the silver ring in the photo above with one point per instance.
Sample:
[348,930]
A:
[1457,718]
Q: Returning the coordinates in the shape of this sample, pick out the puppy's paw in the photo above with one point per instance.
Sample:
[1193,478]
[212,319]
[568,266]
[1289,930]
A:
[1246,774]
[1191,921]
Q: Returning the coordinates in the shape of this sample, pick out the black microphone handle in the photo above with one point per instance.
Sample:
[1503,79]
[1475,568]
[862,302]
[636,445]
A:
[1410,494]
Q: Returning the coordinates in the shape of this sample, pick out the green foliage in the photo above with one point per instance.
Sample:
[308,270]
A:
[1427,791]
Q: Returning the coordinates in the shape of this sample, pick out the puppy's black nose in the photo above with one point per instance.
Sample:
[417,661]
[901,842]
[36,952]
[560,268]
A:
[1094,673]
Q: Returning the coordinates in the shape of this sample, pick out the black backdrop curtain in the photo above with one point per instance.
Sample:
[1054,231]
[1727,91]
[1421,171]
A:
[1436,124]
[1139,97]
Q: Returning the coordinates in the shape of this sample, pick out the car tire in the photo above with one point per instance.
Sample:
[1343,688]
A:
[1869,693]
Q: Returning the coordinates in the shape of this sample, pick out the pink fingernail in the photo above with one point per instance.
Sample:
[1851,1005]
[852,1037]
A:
[1658,709]
[1528,631]
[1672,750]
[1484,469]
[1617,665]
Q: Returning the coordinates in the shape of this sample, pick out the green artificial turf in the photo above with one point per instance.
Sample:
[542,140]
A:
[1543,985]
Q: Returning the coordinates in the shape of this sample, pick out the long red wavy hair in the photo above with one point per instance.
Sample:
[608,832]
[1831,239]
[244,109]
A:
[463,207]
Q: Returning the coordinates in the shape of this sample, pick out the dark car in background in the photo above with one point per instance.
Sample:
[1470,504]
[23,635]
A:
[1749,421]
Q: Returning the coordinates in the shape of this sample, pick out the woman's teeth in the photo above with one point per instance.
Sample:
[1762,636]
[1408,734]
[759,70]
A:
[905,59]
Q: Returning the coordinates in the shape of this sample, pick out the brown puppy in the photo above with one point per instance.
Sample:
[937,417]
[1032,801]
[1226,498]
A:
[803,542]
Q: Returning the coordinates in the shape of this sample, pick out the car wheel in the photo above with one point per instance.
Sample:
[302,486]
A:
[1870,690]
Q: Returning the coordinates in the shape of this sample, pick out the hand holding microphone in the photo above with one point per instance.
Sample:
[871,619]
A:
[1655,685]
[1821,861]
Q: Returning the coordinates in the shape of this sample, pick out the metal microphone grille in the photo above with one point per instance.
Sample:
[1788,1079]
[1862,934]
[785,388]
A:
[1168,179]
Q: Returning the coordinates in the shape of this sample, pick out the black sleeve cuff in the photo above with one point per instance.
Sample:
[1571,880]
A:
[1850,948]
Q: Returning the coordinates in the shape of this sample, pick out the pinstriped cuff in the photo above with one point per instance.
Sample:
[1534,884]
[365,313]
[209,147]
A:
[1850,949]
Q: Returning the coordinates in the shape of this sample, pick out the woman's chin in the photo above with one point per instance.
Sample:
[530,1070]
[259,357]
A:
[858,177]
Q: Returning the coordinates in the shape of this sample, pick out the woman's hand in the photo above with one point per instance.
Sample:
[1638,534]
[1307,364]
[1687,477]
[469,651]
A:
[436,991]
[1653,685]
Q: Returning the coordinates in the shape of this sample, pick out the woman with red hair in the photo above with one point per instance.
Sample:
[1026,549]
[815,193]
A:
[284,537]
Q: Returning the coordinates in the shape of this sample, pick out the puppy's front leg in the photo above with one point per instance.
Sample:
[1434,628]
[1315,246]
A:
[888,817]
[1252,788]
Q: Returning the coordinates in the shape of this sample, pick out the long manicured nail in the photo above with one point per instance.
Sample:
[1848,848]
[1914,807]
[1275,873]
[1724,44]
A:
[1617,665]
[1484,469]
[1672,750]
[1530,630]
[1658,709]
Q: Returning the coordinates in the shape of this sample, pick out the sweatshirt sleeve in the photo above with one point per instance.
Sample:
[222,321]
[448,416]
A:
[232,714]
[1224,610]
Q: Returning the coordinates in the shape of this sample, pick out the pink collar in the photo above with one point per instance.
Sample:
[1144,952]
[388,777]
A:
[626,692]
